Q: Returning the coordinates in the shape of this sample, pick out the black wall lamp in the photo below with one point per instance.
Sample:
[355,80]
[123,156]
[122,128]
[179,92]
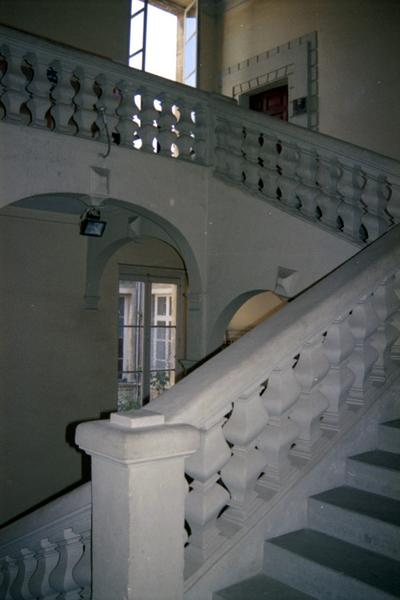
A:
[91,223]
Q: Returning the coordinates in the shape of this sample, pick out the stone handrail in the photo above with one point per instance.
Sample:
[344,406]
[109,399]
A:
[350,190]
[48,551]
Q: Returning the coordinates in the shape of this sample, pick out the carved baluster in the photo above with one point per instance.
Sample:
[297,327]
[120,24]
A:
[375,198]
[281,432]
[338,346]
[26,564]
[267,159]
[221,147]
[287,167]
[307,190]
[64,89]
[82,572]
[234,136]
[40,88]
[106,107]
[148,116]
[184,129]
[127,114]
[61,579]
[9,569]
[350,210]
[307,411]
[393,205]
[250,166]
[85,101]
[246,464]
[363,322]
[47,558]
[328,200]
[386,304]
[15,82]
[207,498]
[200,127]
[166,123]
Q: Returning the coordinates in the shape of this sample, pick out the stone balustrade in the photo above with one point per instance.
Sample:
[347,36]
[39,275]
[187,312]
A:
[349,190]
[47,554]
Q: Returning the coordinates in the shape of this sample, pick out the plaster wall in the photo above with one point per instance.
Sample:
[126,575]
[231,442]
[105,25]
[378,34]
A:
[58,360]
[255,310]
[358,46]
[98,26]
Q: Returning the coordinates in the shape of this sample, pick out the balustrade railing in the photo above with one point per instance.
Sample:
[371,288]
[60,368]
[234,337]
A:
[47,554]
[347,189]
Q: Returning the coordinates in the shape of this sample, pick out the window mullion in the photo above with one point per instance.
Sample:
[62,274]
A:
[147,340]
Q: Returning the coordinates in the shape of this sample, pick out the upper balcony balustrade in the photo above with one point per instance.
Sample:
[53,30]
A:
[347,189]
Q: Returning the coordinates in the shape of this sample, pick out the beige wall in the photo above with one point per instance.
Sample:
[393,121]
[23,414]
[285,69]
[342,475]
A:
[58,361]
[99,26]
[254,311]
[358,50]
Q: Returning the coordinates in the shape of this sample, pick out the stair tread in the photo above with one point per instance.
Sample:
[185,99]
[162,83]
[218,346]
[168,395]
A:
[372,505]
[352,561]
[379,458]
[262,587]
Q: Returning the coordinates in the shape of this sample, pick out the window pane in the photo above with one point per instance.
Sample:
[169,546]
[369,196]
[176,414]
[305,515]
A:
[136,39]
[161,42]
[160,381]
[190,56]
[163,303]
[191,80]
[190,22]
[162,348]
[136,62]
[136,6]
[133,294]
[130,392]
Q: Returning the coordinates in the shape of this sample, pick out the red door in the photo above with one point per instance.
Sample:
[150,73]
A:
[273,102]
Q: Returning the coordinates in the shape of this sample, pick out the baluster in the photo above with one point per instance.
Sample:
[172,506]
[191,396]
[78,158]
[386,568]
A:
[221,146]
[10,571]
[246,464]
[234,159]
[85,101]
[393,205]
[61,579]
[363,323]
[268,160]
[281,431]
[350,210]
[15,83]
[40,90]
[148,116]
[375,196]
[126,111]
[184,128]
[309,372]
[338,346]
[82,572]
[250,166]
[287,167]
[199,118]
[26,564]
[64,92]
[106,106]
[47,558]
[385,303]
[166,123]
[328,199]
[207,498]
[307,190]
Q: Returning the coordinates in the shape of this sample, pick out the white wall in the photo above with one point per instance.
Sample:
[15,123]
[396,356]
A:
[98,26]
[358,49]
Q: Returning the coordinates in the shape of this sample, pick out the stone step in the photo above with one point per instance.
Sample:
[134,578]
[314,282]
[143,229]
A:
[358,517]
[331,569]
[389,436]
[260,587]
[376,471]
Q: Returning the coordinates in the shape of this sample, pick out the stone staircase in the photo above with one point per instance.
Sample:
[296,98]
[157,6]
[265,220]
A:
[351,546]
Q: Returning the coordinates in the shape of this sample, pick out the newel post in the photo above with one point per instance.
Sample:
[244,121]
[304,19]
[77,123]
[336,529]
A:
[138,494]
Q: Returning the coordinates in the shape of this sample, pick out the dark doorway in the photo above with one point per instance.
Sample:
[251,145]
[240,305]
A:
[274,102]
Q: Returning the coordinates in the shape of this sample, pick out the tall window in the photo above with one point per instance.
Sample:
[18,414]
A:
[147,340]
[163,38]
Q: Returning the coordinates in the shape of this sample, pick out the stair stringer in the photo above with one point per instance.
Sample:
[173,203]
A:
[287,510]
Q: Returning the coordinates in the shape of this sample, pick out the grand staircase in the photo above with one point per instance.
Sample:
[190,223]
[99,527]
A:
[350,548]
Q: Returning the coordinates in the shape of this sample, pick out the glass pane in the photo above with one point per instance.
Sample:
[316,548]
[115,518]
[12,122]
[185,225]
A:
[162,354]
[191,80]
[136,5]
[161,41]
[190,22]
[136,39]
[190,56]
[136,61]
[163,304]
[130,392]
[160,381]
[132,293]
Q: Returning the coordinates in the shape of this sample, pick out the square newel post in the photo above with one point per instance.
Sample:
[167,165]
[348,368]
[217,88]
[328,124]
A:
[138,494]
